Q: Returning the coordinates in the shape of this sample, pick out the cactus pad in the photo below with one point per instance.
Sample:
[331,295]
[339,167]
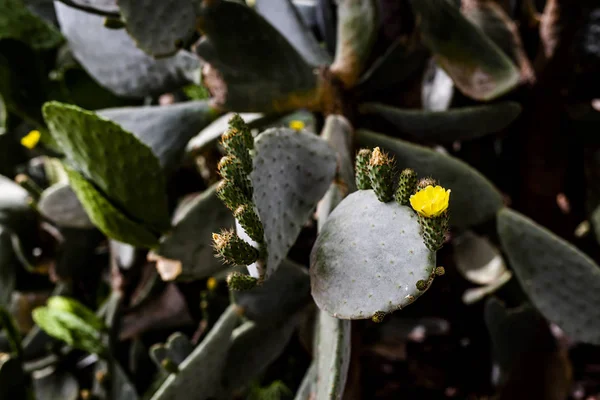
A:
[200,372]
[561,281]
[475,63]
[368,258]
[95,146]
[165,129]
[447,126]
[107,217]
[474,199]
[292,171]
[254,347]
[284,16]
[332,347]
[265,83]
[190,240]
[19,23]
[61,206]
[158,28]
[112,58]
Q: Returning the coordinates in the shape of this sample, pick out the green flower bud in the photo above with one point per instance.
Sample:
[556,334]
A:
[381,171]
[424,182]
[238,282]
[363,180]
[407,185]
[232,249]
[422,285]
[439,271]
[378,317]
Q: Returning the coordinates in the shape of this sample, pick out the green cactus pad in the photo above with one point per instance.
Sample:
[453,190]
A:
[112,58]
[285,16]
[474,199]
[107,217]
[201,371]
[277,298]
[95,146]
[292,171]
[265,83]
[165,129]
[309,382]
[177,348]
[337,131]
[332,354]
[60,205]
[357,30]
[516,332]
[254,347]
[477,66]
[447,126]
[561,281]
[158,28]
[19,23]
[494,21]
[368,258]
[190,239]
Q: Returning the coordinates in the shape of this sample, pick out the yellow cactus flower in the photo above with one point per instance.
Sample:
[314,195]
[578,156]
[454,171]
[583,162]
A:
[431,201]
[297,125]
[31,139]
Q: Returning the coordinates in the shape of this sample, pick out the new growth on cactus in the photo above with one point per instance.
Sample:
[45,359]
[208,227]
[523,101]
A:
[235,190]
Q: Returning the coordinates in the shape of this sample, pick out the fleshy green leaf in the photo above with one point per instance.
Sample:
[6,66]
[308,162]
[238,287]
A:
[447,126]
[69,328]
[477,66]
[112,58]
[332,354]
[158,28]
[106,217]
[200,373]
[292,171]
[190,241]
[368,258]
[357,30]
[19,23]
[561,281]
[165,129]
[285,16]
[134,184]
[253,67]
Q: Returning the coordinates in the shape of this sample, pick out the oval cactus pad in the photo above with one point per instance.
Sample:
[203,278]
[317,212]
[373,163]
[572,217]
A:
[368,258]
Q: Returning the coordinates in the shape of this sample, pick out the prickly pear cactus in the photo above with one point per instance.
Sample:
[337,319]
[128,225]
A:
[375,255]
[228,199]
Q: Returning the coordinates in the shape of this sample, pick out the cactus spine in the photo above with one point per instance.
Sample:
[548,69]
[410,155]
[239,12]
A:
[232,249]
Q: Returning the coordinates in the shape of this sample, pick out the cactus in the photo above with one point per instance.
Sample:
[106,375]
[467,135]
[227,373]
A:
[538,257]
[210,168]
